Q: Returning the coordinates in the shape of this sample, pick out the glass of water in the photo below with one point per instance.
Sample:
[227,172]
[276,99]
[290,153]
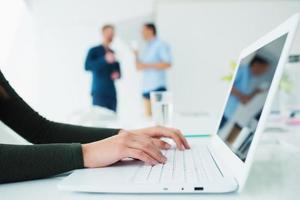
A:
[162,108]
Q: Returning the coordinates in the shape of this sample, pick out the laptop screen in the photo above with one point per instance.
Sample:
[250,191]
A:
[248,96]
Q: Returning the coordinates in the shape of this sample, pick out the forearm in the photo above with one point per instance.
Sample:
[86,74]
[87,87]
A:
[255,92]
[65,133]
[160,66]
[235,92]
[27,162]
[38,130]
[138,66]
[20,117]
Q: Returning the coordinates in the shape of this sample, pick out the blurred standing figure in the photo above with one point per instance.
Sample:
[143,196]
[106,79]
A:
[101,61]
[153,61]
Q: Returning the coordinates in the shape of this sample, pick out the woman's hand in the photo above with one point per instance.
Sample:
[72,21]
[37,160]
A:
[142,144]
[110,57]
[158,132]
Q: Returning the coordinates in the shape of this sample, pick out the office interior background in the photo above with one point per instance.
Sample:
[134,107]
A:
[44,45]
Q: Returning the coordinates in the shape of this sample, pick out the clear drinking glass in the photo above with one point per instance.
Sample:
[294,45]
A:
[162,108]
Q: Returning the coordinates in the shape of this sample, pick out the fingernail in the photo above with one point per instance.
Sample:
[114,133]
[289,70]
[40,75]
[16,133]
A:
[168,146]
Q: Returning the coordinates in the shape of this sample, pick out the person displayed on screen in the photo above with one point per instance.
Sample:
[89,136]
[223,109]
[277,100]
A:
[102,62]
[242,91]
[59,148]
[153,60]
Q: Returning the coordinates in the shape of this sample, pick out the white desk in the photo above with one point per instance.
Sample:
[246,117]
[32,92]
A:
[274,175]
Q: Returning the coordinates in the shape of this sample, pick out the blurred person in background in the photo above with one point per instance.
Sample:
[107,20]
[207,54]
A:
[244,88]
[153,60]
[101,61]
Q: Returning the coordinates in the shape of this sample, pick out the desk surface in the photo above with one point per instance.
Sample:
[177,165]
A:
[274,175]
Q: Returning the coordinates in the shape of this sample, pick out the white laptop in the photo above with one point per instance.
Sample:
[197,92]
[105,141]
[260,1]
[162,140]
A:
[217,164]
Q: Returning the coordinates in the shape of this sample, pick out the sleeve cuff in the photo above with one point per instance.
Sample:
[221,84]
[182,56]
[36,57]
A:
[77,155]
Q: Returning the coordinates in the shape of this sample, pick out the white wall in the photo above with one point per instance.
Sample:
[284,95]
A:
[17,49]
[206,35]
[17,56]
[10,12]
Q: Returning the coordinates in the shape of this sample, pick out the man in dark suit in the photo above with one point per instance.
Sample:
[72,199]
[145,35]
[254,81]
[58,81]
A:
[101,61]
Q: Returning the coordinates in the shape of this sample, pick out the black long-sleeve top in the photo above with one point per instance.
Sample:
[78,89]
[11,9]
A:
[57,146]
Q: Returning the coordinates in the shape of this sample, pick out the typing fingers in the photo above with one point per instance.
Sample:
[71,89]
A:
[146,144]
[141,155]
[161,144]
[172,133]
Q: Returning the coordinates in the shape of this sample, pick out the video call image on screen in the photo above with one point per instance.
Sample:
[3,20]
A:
[248,96]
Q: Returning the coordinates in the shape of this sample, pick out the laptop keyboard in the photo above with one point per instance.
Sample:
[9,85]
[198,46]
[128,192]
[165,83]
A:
[189,166]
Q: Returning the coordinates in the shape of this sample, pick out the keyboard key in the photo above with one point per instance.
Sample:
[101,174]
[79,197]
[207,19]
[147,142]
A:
[167,170]
[178,172]
[142,173]
[191,166]
[211,167]
[155,173]
[190,169]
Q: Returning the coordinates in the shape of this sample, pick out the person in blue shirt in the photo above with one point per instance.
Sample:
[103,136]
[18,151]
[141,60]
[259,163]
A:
[153,60]
[243,91]
[101,61]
